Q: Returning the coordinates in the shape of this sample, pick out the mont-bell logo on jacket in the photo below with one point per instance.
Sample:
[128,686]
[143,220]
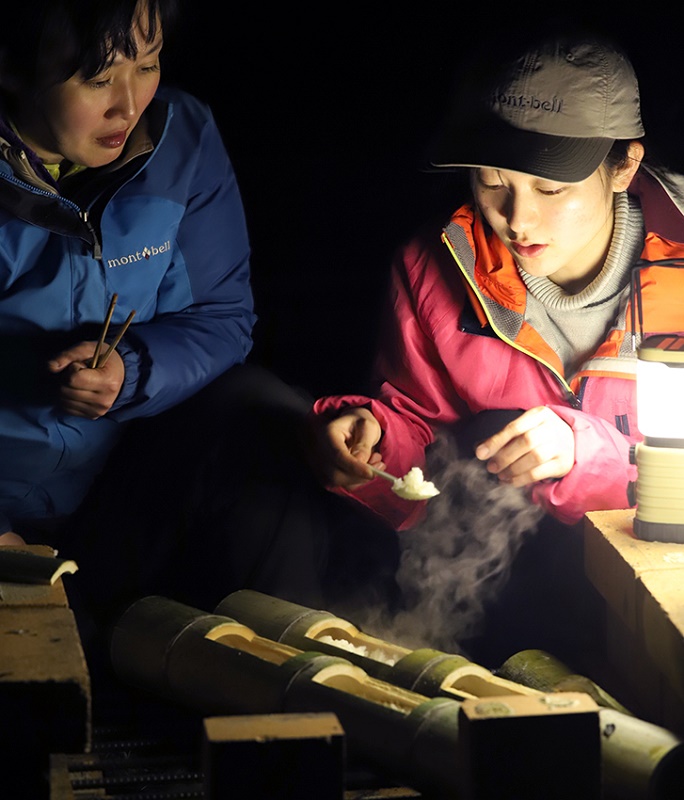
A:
[148,252]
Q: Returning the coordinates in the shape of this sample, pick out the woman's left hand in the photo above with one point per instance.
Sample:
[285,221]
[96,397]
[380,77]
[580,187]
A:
[536,446]
[87,392]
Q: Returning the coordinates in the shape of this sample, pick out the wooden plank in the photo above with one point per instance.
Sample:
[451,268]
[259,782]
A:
[651,696]
[44,681]
[61,787]
[643,585]
[40,644]
[531,747]
[297,756]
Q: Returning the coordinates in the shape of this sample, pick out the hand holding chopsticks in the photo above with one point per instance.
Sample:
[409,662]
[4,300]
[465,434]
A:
[96,360]
[85,389]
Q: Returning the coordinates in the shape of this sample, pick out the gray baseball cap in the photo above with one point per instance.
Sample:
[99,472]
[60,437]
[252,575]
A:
[554,112]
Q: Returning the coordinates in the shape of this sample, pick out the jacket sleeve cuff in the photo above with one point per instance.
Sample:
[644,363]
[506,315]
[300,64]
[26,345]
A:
[132,370]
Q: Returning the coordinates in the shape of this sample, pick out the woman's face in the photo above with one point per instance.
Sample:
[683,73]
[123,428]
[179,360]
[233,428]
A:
[87,121]
[561,231]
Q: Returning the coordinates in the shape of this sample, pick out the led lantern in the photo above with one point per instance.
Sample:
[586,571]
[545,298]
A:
[659,494]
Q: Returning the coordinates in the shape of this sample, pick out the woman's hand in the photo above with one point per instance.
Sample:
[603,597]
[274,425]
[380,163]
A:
[341,448]
[536,446]
[11,539]
[87,392]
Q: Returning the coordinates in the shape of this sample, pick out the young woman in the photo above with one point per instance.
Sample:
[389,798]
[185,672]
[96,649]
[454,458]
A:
[116,193]
[144,468]
[521,301]
[111,188]
[510,324]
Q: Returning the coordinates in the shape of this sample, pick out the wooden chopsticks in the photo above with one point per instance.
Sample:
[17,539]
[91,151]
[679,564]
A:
[96,360]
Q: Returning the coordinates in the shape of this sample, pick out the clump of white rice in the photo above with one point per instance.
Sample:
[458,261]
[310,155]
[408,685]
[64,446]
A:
[374,654]
[413,486]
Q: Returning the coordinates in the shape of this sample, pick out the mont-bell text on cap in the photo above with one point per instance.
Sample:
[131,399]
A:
[579,90]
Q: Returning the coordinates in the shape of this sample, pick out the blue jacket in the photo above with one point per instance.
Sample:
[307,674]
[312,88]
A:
[165,230]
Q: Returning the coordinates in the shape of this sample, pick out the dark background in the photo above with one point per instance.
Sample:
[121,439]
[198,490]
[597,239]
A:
[326,111]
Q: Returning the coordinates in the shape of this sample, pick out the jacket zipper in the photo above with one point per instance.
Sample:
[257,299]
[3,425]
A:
[570,396]
[97,248]
[82,215]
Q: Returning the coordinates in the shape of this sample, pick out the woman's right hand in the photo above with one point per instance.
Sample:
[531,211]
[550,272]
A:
[341,448]
[11,539]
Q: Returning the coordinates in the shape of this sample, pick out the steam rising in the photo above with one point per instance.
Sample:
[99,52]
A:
[458,558]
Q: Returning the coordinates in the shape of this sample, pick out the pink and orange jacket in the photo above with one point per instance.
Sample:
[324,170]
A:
[457,344]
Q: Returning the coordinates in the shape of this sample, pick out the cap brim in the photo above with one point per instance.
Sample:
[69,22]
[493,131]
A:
[497,145]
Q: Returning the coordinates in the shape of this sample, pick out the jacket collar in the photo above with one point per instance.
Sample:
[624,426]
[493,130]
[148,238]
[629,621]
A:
[27,166]
[661,194]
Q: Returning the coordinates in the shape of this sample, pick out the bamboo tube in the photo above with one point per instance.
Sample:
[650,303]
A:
[216,665]
[541,670]
[639,760]
[428,672]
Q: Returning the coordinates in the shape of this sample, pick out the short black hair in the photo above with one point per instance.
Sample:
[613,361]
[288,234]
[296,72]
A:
[43,40]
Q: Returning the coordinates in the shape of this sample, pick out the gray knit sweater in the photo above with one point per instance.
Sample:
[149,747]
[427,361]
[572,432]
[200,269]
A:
[575,324]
